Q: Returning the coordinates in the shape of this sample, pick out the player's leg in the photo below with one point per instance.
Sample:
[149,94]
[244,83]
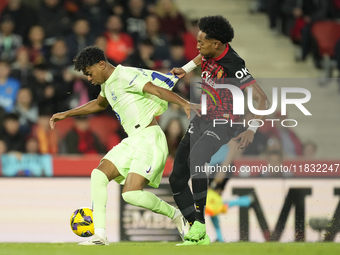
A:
[215,204]
[242,201]
[147,167]
[100,177]
[202,151]
[179,180]
[199,187]
[134,194]
[216,223]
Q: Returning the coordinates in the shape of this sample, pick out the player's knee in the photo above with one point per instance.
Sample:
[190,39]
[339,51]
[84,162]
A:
[132,197]
[200,156]
[97,176]
[95,172]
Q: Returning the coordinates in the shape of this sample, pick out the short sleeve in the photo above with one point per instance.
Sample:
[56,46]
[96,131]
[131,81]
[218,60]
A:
[135,80]
[102,91]
[240,75]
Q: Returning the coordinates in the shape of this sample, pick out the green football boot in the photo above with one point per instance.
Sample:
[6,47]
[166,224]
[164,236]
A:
[196,232]
[204,241]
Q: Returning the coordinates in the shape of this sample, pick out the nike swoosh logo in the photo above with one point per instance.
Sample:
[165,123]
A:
[148,171]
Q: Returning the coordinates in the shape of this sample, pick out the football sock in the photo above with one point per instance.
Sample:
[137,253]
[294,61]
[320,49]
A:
[149,201]
[216,223]
[99,183]
[185,202]
[100,232]
[199,187]
[177,212]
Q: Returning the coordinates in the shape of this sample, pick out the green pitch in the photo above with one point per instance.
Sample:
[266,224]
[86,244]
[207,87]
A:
[149,248]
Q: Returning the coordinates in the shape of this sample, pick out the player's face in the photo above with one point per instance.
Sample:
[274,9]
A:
[95,74]
[206,47]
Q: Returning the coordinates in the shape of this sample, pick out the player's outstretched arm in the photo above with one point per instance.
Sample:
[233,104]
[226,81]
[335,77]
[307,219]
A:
[182,71]
[260,97]
[170,96]
[96,105]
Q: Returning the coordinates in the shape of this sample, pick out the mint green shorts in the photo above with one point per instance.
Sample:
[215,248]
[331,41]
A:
[144,153]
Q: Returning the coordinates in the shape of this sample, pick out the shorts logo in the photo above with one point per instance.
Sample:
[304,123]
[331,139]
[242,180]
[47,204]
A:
[213,134]
[148,171]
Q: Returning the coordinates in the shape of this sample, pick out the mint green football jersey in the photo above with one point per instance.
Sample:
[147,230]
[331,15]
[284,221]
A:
[124,92]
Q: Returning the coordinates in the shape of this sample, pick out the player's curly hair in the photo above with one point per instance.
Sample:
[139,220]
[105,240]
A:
[88,57]
[216,27]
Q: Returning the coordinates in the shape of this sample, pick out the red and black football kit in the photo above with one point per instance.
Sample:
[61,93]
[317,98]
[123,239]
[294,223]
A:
[228,68]
[202,140]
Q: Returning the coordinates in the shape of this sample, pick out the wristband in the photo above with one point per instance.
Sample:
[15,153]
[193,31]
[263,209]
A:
[189,66]
[254,125]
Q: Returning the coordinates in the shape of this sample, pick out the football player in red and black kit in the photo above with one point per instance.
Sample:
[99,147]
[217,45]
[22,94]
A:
[220,65]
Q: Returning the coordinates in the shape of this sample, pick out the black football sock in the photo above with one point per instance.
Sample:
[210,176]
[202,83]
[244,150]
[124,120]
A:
[185,203]
[199,187]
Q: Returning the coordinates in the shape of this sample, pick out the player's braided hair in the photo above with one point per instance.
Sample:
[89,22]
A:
[216,27]
[87,57]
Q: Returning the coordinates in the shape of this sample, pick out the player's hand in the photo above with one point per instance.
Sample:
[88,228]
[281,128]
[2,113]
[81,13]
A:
[247,138]
[179,72]
[196,108]
[57,117]
[188,107]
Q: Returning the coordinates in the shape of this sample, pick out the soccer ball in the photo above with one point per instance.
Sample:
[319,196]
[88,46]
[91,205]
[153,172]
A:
[82,223]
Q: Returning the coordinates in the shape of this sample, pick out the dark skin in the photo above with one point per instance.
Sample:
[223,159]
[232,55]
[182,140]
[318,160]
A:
[97,74]
[212,48]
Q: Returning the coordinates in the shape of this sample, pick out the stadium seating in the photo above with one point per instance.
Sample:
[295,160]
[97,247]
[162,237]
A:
[326,33]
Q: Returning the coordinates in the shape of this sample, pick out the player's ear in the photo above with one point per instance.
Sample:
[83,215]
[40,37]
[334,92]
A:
[216,44]
[102,64]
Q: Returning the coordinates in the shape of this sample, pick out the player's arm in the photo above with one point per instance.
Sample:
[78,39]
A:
[170,96]
[96,105]
[260,97]
[182,71]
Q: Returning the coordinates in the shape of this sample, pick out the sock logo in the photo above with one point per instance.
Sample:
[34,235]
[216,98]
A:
[148,171]
[198,209]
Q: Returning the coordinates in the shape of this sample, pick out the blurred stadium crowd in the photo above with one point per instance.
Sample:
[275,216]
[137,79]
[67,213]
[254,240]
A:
[37,46]
[313,27]
[39,39]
